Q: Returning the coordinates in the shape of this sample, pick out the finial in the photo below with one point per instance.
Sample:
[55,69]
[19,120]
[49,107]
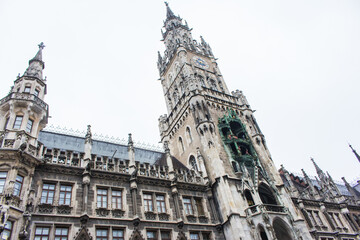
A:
[166,147]
[18,76]
[88,135]
[166,3]
[354,151]
[130,141]
[41,45]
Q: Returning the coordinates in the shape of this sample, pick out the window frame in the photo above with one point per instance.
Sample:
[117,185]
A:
[37,92]
[61,237]
[17,189]
[155,237]
[148,202]
[116,199]
[62,200]
[103,204]
[194,233]
[3,186]
[160,203]
[98,237]
[188,206]
[29,125]
[117,237]
[16,124]
[27,89]
[199,204]
[7,230]
[47,193]
[40,237]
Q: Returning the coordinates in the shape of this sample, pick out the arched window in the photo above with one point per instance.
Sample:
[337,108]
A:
[181,145]
[282,230]
[266,195]
[188,135]
[262,233]
[193,163]
[175,97]
[249,197]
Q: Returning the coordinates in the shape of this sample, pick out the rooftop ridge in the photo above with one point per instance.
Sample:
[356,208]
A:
[101,137]
[352,182]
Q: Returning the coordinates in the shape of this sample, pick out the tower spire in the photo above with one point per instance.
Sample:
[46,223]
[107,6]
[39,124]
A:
[169,13]
[36,64]
[356,154]
[318,169]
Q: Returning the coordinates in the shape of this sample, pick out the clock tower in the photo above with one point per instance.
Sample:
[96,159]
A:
[215,134]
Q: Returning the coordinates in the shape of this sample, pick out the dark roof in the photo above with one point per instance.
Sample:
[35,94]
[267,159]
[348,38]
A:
[101,148]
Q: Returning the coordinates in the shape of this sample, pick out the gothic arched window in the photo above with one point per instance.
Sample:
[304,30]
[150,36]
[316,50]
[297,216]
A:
[266,195]
[181,145]
[188,135]
[193,163]
[249,197]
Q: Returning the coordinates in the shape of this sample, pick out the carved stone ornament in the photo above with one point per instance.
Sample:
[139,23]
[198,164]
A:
[64,209]
[164,217]
[118,213]
[9,143]
[191,218]
[136,235]
[45,208]
[102,212]
[83,234]
[150,216]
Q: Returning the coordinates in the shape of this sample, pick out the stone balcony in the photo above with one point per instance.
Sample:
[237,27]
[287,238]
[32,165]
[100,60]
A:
[25,97]
[261,208]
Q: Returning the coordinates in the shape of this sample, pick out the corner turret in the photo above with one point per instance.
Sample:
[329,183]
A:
[23,112]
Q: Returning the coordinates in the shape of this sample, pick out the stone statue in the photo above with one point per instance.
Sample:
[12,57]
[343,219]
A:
[4,214]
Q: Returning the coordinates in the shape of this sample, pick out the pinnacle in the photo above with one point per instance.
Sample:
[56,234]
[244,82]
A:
[169,13]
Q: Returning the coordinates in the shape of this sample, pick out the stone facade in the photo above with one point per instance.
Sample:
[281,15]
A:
[215,178]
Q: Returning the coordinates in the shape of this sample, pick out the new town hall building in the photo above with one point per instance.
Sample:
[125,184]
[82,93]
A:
[214,179]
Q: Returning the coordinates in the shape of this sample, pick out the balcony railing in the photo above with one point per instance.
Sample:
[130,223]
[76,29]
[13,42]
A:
[269,208]
[26,97]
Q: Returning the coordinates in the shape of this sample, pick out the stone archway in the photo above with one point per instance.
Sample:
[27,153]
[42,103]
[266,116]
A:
[282,230]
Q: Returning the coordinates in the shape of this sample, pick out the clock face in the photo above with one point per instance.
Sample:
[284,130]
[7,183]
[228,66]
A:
[200,62]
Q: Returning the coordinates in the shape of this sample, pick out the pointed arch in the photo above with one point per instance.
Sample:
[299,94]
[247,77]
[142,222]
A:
[249,198]
[266,194]
[282,229]
[136,235]
[188,135]
[262,232]
[181,145]
[181,236]
[83,234]
[192,163]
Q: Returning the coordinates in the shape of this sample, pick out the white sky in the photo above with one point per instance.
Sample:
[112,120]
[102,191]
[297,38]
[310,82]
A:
[296,61]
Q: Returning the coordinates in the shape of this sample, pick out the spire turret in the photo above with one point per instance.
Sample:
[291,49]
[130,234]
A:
[169,13]
[318,170]
[36,64]
[356,154]
[23,112]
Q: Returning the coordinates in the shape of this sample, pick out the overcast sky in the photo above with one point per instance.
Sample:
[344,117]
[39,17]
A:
[296,61]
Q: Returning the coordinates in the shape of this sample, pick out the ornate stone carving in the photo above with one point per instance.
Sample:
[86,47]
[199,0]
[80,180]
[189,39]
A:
[150,216]
[191,218]
[9,143]
[45,208]
[203,219]
[64,209]
[118,213]
[102,212]
[164,217]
